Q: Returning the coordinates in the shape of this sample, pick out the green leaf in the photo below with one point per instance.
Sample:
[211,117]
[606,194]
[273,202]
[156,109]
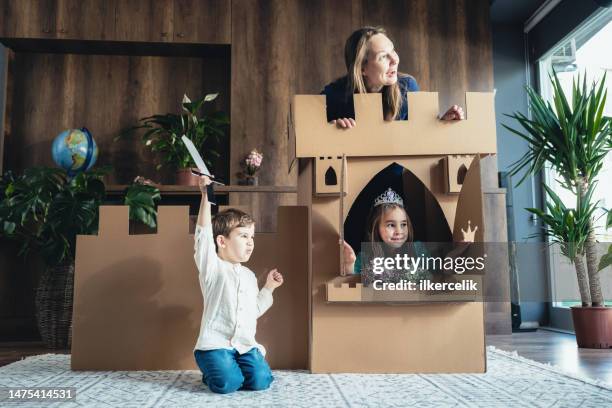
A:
[8,227]
[606,260]
[210,97]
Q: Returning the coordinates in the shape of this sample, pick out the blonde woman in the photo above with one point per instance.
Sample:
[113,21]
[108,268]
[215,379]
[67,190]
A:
[372,64]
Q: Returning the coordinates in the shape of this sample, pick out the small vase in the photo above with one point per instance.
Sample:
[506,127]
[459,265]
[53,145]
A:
[251,181]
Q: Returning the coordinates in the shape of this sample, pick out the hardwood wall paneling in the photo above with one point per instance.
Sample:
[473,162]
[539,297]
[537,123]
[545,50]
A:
[323,29]
[264,53]
[34,109]
[106,94]
[86,20]
[28,18]
[215,74]
[203,21]
[479,42]
[144,20]
[445,45]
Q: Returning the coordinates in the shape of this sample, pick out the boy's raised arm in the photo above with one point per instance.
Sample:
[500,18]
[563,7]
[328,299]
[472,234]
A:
[204,217]
[205,254]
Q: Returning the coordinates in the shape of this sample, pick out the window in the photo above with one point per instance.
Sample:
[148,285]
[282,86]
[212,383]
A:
[584,51]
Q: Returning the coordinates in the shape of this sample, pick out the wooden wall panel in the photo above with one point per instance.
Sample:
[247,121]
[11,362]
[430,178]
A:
[144,20]
[91,19]
[106,94]
[280,48]
[264,54]
[28,18]
[323,28]
[202,21]
[445,45]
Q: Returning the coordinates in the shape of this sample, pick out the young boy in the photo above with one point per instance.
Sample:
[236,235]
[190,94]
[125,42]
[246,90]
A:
[226,351]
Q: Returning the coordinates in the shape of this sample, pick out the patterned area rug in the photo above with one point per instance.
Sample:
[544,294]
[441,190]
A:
[510,381]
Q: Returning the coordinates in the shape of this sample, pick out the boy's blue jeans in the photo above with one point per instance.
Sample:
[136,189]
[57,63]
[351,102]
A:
[226,371]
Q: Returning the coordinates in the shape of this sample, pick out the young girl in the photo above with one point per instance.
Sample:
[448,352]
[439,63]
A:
[388,231]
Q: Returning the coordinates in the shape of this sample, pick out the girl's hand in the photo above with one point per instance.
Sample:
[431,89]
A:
[349,259]
[274,279]
[454,113]
[344,123]
[203,182]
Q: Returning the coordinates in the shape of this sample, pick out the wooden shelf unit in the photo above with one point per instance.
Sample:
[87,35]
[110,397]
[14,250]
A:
[195,190]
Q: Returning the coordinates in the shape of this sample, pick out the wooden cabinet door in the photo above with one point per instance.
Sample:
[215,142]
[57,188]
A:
[202,21]
[28,18]
[144,20]
[85,20]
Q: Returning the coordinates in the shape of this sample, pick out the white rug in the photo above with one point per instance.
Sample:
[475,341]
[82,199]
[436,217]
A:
[509,382]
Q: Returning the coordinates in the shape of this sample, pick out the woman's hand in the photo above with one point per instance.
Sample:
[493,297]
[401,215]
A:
[349,259]
[454,113]
[274,279]
[344,123]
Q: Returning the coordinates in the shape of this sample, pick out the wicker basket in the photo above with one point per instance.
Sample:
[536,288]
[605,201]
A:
[54,296]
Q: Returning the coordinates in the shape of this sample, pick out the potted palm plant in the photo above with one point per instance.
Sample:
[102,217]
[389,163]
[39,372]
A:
[44,210]
[573,138]
[163,135]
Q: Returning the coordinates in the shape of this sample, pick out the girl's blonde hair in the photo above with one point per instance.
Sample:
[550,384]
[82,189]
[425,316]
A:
[355,56]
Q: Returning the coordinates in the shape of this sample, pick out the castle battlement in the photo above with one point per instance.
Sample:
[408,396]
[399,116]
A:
[422,134]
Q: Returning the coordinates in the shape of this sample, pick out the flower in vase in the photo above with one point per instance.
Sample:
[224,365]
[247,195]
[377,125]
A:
[252,162]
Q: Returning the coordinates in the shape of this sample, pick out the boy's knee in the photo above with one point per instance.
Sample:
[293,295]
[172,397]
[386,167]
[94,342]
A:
[260,379]
[224,384]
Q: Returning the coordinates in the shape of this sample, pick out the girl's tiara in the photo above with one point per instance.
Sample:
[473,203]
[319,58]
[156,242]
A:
[389,197]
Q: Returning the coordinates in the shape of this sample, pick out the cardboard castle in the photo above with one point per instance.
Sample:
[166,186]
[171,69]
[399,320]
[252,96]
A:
[137,298]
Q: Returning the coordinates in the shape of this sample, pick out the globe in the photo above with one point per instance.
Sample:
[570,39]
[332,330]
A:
[74,150]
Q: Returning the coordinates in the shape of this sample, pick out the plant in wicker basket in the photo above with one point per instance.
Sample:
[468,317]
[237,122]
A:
[44,210]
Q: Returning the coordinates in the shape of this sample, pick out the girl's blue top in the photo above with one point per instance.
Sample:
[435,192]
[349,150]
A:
[340,103]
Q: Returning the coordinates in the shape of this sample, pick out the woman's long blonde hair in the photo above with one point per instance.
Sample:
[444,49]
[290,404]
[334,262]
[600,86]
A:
[355,56]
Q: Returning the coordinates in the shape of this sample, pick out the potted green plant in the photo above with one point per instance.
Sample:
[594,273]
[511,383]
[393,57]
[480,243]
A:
[163,135]
[573,138]
[44,210]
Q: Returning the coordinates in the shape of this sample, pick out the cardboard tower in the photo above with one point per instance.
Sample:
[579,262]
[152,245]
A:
[356,329]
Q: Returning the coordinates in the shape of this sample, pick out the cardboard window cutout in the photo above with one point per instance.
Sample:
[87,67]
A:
[426,215]
[330,177]
[461,174]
